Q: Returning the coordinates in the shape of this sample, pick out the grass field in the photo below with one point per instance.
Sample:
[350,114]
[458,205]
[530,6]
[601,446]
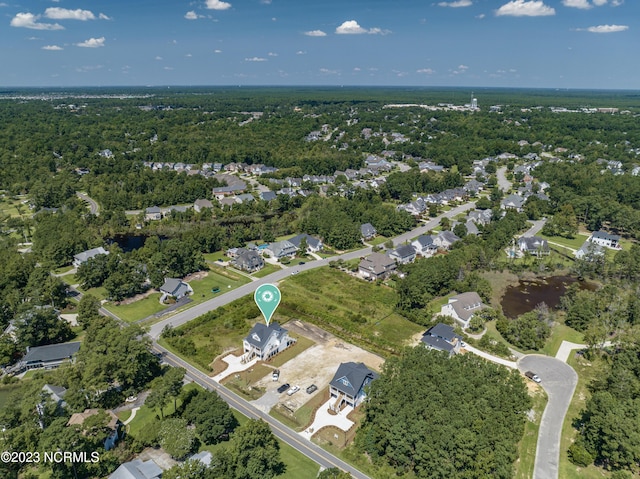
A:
[573,243]
[138,310]
[361,312]
[528,444]
[266,271]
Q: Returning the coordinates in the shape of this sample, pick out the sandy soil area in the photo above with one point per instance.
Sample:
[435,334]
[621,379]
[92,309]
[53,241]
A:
[317,364]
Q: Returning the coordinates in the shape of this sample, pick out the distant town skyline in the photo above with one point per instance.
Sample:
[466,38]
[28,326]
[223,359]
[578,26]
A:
[582,44]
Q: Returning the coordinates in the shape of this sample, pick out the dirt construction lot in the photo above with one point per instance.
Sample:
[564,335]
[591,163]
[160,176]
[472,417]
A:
[315,365]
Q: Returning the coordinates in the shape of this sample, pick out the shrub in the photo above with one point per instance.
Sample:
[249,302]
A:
[579,456]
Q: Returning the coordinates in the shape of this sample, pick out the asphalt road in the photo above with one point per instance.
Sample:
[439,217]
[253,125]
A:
[503,183]
[290,437]
[93,205]
[537,225]
[559,380]
[200,309]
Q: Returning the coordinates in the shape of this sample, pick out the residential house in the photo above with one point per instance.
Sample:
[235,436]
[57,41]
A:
[175,288]
[462,307]
[513,202]
[445,239]
[442,337]
[348,385]
[605,239]
[424,245]
[56,393]
[234,186]
[589,251]
[472,228]
[153,213]
[266,341]
[137,469]
[403,254]
[267,195]
[281,249]
[49,357]
[228,201]
[201,204]
[114,425]
[473,187]
[313,244]
[85,256]
[376,266]
[534,245]
[244,198]
[247,260]
[367,231]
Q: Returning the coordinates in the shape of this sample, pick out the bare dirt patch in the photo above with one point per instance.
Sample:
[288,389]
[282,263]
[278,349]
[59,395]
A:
[196,276]
[317,364]
[137,297]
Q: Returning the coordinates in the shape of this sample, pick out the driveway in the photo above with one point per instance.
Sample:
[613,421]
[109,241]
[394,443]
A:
[559,380]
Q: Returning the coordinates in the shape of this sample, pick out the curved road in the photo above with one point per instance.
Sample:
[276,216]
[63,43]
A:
[559,380]
[93,205]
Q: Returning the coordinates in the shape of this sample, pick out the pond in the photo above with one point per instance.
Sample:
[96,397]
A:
[130,242]
[527,294]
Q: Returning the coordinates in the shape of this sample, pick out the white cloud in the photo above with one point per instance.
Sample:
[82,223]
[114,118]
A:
[255,59]
[102,16]
[92,43]
[168,68]
[191,15]
[456,4]
[326,71]
[481,16]
[315,33]
[159,58]
[351,27]
[301,52]
[265,2]
[522,8]
[427,71]
[217,51]
[582,4]
[218,5]
[29,20]
[57,13]
[272,54]
[607,28]
[52,48]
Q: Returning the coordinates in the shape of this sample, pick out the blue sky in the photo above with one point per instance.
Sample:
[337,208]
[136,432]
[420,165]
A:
[501,43]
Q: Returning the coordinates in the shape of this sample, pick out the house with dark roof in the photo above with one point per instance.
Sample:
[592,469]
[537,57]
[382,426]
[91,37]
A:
[445,239]
[348,385]
[442,337]
[248,260]
[377,266]
[605,239]
[85,256]
[49,357]
[176,288]
[367,231]
[267,195]
[512,202]
[403,254]
[462,307]
[265,341]
[313,244]
[56,393]
[424,245]
[534,245]
[137,469]
[153,213]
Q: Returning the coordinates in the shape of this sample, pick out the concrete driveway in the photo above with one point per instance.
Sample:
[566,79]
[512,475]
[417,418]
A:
[559,380]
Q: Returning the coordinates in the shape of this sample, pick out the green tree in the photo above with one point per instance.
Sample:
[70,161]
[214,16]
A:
[88,310]
[176,438]
[190,469]
[334,473]
[211,416]
[40,326]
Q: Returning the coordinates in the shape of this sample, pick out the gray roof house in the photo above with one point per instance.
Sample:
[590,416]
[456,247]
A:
[56,393]
[280,249]
[424,245]
[267,195]
[445,239]
[472,228]
[248,260]
[266,341]
[175,287]
[153,213]
[347,385]
[367,231]
[482,217]
[313,244]
[513,202]
[137,469]
[534,245]
[462,307]
[376,266]
[605,239]
[403,254]
[589,250]
[83,257]
[201,204]
[50,356]
[442,337]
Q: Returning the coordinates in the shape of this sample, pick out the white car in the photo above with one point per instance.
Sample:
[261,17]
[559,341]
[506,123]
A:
[293,390]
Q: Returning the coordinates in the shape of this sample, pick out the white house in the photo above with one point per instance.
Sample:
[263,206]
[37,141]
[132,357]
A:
[403,254]
[266,341]
[445,239]
[281,249]
[424,245]
[462,307]
[605,239]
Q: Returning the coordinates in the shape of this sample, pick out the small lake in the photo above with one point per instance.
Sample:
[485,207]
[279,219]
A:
[528,293]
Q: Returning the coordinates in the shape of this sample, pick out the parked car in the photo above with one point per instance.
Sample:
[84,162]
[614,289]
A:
[283,388]
[293,390]
[311,389]
[275,375]
[533,376]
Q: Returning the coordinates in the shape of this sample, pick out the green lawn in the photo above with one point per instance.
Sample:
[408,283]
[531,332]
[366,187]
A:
[138,310]
[351,308]
[218,277]
[266,271]
[529,442]
[573,243]
[378,240]
[213,257]
[560,333]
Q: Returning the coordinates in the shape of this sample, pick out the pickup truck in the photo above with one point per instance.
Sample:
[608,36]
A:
[293,390]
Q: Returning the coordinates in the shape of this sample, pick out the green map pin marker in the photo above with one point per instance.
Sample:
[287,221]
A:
[267,297]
